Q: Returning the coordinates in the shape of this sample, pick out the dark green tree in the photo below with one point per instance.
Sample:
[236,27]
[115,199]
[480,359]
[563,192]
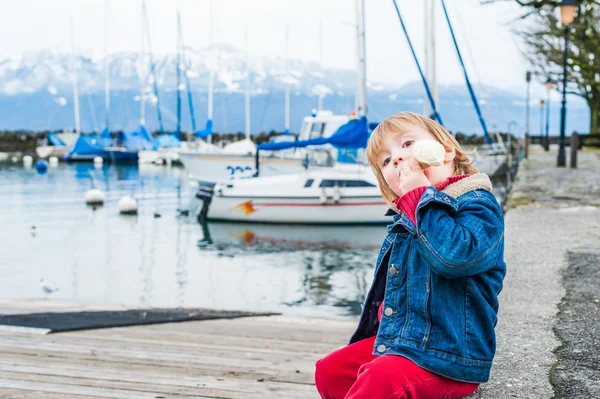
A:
[543,38]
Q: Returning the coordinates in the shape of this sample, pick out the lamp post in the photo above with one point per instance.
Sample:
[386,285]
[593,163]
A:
[548,88]
[567,14]
[542,105]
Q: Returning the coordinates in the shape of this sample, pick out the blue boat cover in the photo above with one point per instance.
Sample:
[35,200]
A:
[137,140]
[55,140]
[89,144]
[353,134]
[207,131]
[166,141]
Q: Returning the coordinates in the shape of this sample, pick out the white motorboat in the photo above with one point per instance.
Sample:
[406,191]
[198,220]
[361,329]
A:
[342,194]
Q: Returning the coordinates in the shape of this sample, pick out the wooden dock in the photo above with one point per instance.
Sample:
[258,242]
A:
[254,357]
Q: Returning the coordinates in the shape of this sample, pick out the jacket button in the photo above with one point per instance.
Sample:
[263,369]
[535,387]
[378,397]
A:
[446,199]
[388,311]
[393,270]
[383,249]
[381,348]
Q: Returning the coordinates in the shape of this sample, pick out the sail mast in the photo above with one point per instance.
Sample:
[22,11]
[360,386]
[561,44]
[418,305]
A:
[247,110]
[211,73]
[178,131]
[361,90]
[287,80]
[430,56]
[106,68]
[74,79]
[321,94]
[142,70]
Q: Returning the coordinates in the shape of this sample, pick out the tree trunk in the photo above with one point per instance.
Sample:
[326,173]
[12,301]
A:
[594,118]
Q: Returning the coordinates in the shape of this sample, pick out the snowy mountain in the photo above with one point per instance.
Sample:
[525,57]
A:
[36,93]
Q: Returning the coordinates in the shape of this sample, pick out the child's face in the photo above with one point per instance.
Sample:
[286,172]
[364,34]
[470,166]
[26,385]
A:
[399,149]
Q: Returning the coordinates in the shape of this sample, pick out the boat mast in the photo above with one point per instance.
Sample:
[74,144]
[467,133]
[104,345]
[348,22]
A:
[143,71]
[178,131]
[247,111]
[430,57]
[321,95]
[287,80]
[74,79]
[106,68]
[361,91]
[211,73]
[152,68]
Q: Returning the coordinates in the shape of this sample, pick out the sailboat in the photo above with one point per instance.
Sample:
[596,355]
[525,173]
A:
[345,193]
[238,159]
[493,157]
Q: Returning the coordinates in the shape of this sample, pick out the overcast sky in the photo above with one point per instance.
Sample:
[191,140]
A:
[32,25]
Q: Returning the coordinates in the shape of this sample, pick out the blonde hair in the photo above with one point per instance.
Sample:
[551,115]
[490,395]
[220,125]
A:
[397,124]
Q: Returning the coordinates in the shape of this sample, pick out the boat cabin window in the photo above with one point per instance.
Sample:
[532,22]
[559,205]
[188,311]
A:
[317,129]
[308,183]
[345,183]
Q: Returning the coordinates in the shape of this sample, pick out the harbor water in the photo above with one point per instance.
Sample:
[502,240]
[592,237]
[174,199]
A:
[162,257]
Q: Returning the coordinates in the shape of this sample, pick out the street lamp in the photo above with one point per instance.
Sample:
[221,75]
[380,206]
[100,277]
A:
[542,104]
[567,14]
[548,88]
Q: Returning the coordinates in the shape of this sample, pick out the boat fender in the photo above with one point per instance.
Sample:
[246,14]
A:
[53,161]
[323,196]
[336,194]
[98,161]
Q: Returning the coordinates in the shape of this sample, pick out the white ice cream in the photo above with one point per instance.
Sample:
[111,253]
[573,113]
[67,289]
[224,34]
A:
[429,152]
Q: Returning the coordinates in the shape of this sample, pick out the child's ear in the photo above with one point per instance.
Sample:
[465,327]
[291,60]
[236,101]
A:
[449,155]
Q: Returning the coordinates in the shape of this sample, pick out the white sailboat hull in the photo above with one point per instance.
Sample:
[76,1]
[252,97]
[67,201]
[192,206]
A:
[219,167]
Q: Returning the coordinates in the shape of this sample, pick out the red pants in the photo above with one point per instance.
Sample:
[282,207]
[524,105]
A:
[353,372]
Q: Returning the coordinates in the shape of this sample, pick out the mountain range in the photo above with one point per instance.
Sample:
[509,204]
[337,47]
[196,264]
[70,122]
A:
[36,94]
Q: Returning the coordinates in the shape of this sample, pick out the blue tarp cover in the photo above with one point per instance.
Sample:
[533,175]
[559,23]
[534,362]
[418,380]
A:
[207,131]
[137,140]
[166,141]
[90,144]
[353,134]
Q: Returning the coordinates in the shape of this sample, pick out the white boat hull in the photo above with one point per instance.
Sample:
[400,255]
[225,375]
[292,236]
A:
[51,151]
[337,195]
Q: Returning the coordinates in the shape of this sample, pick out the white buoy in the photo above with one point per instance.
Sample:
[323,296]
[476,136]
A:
[94,196]
[14,159]
[128,205]
[53,161]
[98,161]
[158,161]
[27,160]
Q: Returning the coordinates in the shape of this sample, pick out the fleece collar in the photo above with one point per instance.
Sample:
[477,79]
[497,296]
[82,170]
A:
[477,181]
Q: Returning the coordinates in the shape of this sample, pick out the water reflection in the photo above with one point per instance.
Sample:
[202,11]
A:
[162,258]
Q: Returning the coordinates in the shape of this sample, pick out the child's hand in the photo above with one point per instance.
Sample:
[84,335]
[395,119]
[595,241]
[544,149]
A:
[411,175]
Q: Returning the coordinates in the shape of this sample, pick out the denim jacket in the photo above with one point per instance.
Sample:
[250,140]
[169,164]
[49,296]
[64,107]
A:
[439,281]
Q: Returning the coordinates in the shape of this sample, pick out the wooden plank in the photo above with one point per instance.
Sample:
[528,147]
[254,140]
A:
[159,354]
[75,385]
[158,383]
[7,393]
